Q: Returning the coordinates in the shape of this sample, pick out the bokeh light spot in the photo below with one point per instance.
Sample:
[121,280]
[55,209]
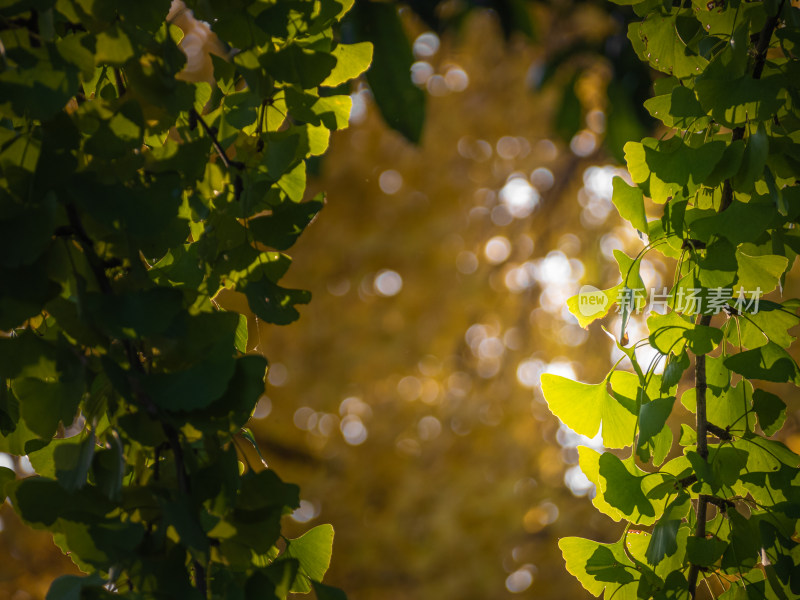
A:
[466,262]
[497,249]
[508,147]
[263,408]
[583,143]
[388,282]
[437,86]
[542,178]
[305,512]
[456,79]
[426,44]
[519,581]
[421,71]
[353,430]
[429,428]
[277,374]
[519,196]
[390,182]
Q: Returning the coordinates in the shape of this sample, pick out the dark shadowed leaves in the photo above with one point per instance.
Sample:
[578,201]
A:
[275,304]
[771,411]
[401,103]
[281,229]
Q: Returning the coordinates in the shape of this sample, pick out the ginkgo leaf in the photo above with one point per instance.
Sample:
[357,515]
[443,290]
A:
[734,103]
[630,203]
[770,362]
[590,304]
[656,43]
[669,165]
[680,108]
[771,323]
[313,551]
[589,462]
[670,332]
[583,407]
[598,566]
[351,61]
[761,273]
[705,551]
[771,411]
[621,485]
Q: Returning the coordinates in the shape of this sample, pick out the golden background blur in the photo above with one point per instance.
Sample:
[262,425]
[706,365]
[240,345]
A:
[405,402]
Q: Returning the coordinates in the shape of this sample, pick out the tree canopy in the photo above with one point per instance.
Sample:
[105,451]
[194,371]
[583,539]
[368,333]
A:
[132,194]
[401,400]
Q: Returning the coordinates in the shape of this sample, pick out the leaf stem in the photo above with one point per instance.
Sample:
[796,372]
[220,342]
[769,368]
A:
[211,133]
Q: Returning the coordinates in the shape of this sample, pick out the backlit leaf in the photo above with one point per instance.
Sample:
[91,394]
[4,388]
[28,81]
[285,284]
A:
[656,42]
[313,551]
[630,204]
[670,333]
[597,566]
[582,407]
[351,61]
[759,272]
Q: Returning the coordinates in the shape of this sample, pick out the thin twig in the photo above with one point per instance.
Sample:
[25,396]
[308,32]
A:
[217,146]
[120,83]
[720,502]
[718,431]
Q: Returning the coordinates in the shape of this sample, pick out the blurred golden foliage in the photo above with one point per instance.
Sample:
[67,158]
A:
[439,276]
[405,401]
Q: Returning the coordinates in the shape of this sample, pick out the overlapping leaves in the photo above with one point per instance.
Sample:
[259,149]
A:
[130,195]
[725,185]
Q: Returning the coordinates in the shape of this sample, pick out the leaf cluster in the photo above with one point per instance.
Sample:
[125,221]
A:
[129,197]
[722,180]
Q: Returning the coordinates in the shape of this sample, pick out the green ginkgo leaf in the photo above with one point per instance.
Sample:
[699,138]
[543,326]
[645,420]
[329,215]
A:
[670,165]
[583,407]
[760,273]
[705,551]
[599,566]
[351,61]
[735,103]
[670,332]
[589,462]
[630,204]
[770,362]
[621,485]
[771,411]
[680,108]
[590,304]
[656,43]
[313,551]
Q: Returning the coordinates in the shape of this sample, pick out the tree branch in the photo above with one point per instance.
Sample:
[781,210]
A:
[700,532]
[703,426]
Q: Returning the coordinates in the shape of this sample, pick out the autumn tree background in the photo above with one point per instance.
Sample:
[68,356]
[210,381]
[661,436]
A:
[406,400]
